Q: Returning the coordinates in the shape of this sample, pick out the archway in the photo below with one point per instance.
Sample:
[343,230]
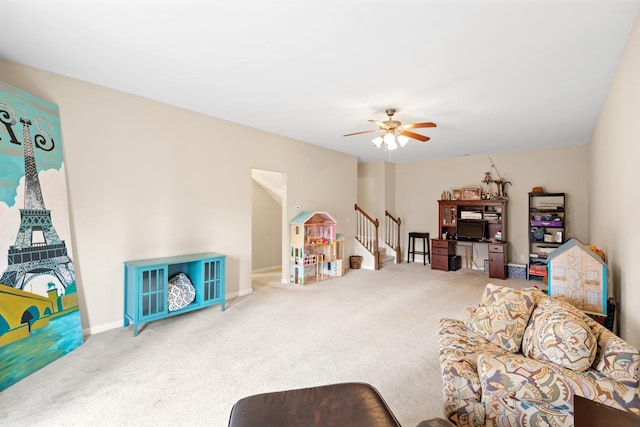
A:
[30,315]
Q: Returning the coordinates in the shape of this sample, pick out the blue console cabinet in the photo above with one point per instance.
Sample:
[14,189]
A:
[146,292]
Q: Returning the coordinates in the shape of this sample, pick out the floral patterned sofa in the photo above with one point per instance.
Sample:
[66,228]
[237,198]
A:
[520,357]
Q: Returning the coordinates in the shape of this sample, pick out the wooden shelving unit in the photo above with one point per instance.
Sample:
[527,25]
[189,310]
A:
[547,231]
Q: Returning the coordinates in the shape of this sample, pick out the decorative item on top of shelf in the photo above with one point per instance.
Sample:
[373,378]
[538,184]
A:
[487,180]
[457,194]
[471,193]
[501,183]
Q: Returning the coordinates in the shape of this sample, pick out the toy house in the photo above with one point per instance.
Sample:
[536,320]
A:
[316,249]
[580,275]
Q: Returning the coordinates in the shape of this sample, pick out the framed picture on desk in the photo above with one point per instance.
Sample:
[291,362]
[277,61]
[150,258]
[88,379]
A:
[471,193]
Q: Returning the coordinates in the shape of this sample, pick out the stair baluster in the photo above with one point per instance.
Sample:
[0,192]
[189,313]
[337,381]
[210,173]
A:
[367,234]
[392,234]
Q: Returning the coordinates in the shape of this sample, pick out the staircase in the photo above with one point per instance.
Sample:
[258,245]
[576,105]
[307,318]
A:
[376,254]
[385,257]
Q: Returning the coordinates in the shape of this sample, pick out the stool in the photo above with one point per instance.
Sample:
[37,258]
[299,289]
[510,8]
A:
[411,251]
[345,404]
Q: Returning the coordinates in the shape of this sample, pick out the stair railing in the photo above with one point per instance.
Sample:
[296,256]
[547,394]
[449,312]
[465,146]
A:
[392,234]
[367,234]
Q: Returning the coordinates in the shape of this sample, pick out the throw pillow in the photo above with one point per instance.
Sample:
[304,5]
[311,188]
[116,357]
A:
[181,292]
[502,315]
[557,333]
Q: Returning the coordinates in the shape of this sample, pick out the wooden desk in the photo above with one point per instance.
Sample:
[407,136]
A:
[442,249]
[497,251]
[498,260]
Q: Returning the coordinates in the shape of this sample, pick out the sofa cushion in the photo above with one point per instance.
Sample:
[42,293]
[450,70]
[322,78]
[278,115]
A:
[557,333]
[502,315]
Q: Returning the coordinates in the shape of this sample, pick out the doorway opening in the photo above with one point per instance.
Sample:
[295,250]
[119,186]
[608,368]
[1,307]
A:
[269,222]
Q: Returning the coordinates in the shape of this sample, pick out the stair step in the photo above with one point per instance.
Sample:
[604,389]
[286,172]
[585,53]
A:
[387,259]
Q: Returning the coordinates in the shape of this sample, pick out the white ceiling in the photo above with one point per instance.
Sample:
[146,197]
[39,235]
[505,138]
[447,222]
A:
[494,75]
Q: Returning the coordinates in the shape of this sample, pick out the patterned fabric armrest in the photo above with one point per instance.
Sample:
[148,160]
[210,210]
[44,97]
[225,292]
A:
[459,349]
[544,384]
[616,358]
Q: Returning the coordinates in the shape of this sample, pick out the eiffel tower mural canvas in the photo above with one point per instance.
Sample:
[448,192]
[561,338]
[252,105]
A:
[39,313]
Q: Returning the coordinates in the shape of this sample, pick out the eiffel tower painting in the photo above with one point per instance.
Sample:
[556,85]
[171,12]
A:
[39,312]
[28,258]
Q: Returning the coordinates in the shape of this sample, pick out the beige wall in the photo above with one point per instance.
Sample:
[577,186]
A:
[419,185]
[147,179]
[266,226]
[615,200]
[371,182]
[376,189]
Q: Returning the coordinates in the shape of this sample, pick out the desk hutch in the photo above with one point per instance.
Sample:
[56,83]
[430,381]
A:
[484,222]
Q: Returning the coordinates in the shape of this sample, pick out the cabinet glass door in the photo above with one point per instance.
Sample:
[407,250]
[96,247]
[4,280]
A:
[154,291]
[213,274]
[448,215]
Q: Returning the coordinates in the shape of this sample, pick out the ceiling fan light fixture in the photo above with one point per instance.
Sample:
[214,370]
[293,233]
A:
[389,138]
[394,133]
[390,142]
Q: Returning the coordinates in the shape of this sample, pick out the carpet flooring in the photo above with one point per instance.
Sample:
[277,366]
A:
[378,327]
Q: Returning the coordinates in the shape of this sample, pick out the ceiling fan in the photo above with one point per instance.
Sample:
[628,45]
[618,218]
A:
[394,132]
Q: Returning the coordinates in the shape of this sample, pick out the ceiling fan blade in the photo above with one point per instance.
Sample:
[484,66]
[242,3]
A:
[415,136]
[418,125]
[358,133]
[382,125]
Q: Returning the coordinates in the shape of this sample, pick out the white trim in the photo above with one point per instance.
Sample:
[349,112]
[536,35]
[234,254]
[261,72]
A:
[101,328]
[266,269]
[119,324]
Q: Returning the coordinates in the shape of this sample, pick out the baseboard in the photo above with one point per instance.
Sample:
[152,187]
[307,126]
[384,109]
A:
[119,324]
[240,293]
[102,328]
[267,269]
